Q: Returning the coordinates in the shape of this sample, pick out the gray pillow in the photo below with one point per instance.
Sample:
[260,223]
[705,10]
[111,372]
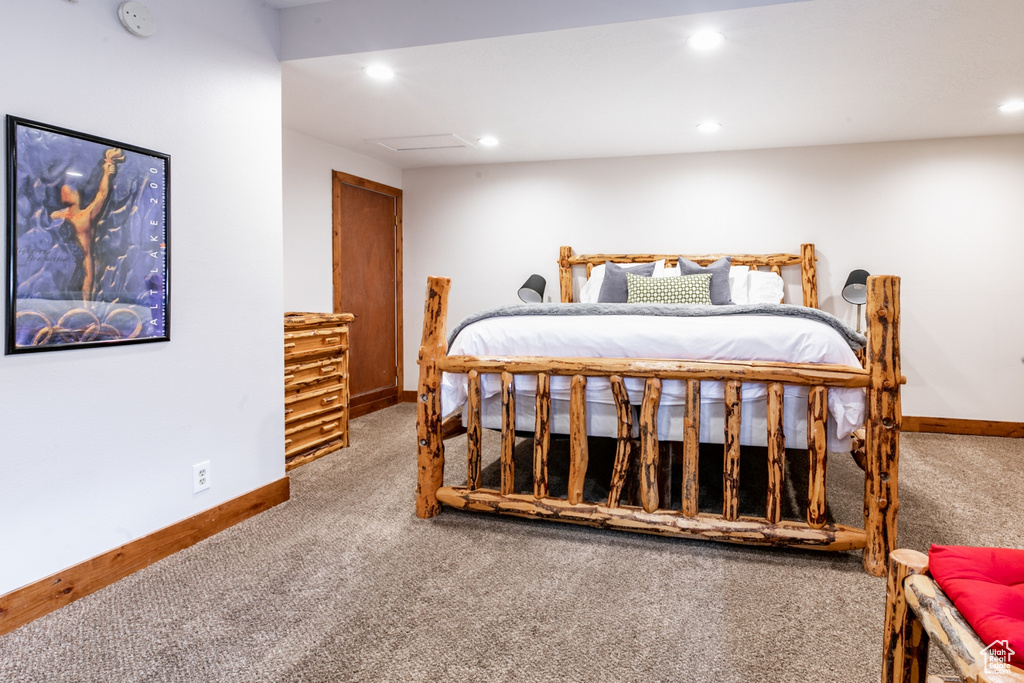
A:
[614,289]
[720,292]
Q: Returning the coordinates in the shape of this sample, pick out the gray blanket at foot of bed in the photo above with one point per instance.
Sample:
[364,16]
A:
[853,338]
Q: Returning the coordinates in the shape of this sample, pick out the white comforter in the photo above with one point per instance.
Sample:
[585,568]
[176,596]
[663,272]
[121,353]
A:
[737,337]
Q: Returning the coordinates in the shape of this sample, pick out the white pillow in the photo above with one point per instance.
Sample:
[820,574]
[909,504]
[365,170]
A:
[738,284]
[660,270]
[592,287]
[764,287]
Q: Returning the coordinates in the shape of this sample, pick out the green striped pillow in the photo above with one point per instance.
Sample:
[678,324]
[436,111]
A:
[684,289]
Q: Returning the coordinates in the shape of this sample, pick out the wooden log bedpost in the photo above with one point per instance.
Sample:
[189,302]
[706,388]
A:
[430,447]
[809,275]
[904,642]
[565,274]
[882,447]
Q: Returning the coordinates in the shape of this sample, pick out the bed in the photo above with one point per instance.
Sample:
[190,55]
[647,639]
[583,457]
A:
[534,371]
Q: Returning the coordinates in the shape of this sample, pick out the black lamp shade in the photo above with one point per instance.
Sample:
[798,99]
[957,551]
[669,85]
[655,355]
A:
[856,288]
[532,291]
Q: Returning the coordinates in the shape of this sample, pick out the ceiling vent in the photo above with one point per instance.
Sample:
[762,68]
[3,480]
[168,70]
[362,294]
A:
[420,142]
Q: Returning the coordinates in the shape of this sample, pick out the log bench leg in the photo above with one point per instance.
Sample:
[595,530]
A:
[904,642]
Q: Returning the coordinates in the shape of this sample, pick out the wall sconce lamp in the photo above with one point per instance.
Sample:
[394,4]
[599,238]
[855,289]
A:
[532,291]
[856,290]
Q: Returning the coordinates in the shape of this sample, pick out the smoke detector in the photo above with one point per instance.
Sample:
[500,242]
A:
[137,19]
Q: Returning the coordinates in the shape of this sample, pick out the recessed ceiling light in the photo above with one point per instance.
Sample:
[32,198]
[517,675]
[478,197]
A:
[1012,107]
[379,71]
[708,126]
[705,40]
[488,141]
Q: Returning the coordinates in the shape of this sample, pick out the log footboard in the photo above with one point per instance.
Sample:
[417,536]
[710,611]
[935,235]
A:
[880,377]
[745,530]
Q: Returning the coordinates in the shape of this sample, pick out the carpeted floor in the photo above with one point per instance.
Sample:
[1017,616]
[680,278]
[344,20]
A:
[343,583]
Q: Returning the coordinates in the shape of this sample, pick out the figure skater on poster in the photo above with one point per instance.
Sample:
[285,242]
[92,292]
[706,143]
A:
[83,220]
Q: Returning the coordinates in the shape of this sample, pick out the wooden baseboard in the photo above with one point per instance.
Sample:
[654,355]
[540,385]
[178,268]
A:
[30,602]
[951,425]
[408,397]
[374,406]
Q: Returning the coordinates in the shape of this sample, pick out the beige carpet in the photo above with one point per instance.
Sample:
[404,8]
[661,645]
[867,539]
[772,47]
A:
[343,583]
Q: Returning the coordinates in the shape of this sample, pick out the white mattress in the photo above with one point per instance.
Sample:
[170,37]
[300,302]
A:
[740,337]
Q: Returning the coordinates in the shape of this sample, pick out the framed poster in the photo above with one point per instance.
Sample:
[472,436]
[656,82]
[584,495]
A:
[88,240]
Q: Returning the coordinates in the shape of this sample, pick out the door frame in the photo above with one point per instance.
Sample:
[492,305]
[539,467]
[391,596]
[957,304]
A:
[337,180]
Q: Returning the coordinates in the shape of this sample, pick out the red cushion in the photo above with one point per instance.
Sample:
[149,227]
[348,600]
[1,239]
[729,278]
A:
[987,587]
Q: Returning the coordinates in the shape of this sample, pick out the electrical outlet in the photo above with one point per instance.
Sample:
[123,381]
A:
[200,476]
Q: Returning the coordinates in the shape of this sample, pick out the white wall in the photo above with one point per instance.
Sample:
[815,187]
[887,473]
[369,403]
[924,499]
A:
[945,215]
[97,445]
[308,167]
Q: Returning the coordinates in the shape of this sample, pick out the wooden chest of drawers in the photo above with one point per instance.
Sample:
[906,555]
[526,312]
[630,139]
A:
[315,385]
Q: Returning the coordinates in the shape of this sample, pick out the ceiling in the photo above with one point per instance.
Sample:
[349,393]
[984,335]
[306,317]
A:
[816,72]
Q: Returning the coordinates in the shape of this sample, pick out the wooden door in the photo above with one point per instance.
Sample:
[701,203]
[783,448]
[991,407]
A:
[367,239]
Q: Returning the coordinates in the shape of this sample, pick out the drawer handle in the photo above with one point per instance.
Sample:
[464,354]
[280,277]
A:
[287,442]
[329,368]
[327,428]
[289,346]
[289,378]
[288,410]
[328,400]
[332,340]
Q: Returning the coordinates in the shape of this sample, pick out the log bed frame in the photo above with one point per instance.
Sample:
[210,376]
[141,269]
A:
[880,376]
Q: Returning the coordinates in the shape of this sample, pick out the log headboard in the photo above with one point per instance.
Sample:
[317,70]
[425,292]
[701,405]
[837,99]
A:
[805,259]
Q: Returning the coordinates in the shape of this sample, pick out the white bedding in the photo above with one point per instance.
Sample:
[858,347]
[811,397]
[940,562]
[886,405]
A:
[734,337]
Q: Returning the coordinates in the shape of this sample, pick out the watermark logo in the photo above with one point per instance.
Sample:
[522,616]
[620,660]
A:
[997,657]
